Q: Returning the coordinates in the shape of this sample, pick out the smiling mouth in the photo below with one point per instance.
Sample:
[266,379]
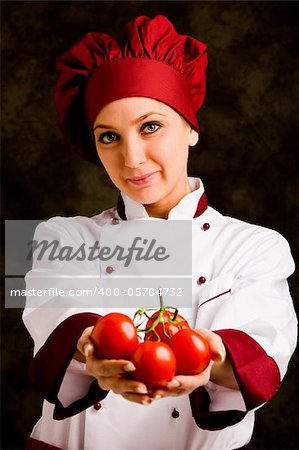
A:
[143,179]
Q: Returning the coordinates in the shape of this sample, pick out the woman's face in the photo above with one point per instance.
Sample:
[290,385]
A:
[143,145]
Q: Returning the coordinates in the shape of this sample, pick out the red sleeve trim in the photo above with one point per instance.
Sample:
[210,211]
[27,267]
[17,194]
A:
[34,444]
[257,373]
[211,421]
[48,367]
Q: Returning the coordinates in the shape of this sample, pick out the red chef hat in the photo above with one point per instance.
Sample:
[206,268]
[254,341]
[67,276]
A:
[153,60]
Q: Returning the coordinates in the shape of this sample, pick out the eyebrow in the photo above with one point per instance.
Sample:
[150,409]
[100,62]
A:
[139,119]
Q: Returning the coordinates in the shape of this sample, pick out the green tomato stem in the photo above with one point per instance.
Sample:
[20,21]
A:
[159,319]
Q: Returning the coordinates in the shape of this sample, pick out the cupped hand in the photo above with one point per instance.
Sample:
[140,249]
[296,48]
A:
[185,384]
[111,374]
[114,375]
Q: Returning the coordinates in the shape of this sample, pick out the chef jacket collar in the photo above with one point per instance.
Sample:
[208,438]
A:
[191,206]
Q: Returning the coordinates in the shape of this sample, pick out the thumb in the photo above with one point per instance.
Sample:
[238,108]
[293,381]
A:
[217,348]
[84,344]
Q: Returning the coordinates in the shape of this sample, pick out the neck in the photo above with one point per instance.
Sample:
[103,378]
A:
[161,209]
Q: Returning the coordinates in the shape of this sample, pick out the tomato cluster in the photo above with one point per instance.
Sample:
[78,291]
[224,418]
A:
[170,346]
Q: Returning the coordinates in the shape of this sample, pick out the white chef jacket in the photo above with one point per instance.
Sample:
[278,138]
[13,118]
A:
[242,292]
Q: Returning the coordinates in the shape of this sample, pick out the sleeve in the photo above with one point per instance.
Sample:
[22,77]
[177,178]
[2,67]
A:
[252,311]
[54,320]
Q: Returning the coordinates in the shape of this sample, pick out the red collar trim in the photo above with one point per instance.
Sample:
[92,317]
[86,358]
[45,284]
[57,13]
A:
[201,207]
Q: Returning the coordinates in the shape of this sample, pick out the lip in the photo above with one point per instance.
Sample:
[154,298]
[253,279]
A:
[142,179]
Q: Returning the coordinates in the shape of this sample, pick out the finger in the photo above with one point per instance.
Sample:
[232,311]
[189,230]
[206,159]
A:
[171,392]
[157,395]
[137,398]
[217,348]
[108,367]
[121,385]
[84,340]
[174,388]
[187,383]
[193,381]
[88,349]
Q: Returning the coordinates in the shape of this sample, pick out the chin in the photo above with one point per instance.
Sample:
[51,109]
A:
[145,198]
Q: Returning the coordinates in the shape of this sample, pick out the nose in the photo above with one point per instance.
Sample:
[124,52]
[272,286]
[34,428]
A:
[134,152]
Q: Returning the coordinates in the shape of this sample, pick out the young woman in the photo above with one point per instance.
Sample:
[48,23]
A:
[132,105]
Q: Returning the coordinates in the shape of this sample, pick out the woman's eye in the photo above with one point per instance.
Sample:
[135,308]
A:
[108,137]
[150,127]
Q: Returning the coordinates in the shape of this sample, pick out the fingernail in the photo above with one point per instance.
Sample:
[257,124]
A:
[87,349]
[221,355]
[141,390]
[174,383]
[146,402]
[157,397]
[129,367]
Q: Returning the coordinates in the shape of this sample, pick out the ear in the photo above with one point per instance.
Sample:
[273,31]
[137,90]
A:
[193,139]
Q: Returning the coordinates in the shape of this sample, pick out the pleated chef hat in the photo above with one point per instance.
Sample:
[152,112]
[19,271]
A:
[152,60]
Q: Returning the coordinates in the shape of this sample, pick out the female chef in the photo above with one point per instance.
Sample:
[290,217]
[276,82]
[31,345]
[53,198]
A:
[132,105]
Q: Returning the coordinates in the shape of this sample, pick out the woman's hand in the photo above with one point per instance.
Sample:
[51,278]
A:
[219,371]
[112,375]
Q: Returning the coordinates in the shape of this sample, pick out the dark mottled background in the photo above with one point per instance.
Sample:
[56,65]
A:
[246,155]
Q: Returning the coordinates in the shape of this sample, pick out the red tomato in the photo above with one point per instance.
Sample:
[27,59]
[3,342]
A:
[171,326]
[155,364]
[114,337]
[192,352]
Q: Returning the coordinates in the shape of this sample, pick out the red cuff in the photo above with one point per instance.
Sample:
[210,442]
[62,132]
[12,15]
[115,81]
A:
[48,367]
[257,373]
[216,420]
[34,444]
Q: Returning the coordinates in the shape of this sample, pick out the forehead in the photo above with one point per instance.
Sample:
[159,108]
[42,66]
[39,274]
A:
[133,108]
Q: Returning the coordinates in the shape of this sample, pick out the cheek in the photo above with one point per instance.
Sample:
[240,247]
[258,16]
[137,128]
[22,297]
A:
[178,136]
[173,150]
[109,163]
